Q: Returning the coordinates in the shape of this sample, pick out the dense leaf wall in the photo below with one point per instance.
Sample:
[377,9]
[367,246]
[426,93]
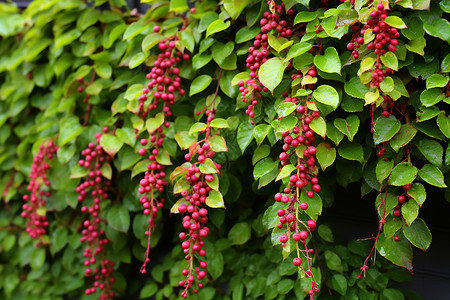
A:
[267,109]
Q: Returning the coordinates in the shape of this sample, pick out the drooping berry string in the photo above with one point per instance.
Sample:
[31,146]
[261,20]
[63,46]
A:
[34,210]
[164,85]
[303,181]
[271,24]
[94,189]
[200,189]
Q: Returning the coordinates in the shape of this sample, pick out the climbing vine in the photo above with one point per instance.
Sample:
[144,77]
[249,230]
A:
[195,149]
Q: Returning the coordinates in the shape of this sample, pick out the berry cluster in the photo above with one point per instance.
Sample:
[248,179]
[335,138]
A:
[96,186]
[152,185]
[386,39]
[164,85]
[199,182]
[298,142]
[165,82]
[258,53]
[34,210]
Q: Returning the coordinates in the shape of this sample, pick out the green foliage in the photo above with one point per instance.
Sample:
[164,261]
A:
[69,68]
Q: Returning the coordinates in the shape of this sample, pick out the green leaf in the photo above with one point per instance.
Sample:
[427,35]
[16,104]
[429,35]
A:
[133,30]
[418,234]
[437,80]
[403,136]
[390,60]
[396,22]
[235,7]
[217,26]
[197,127]
[432,151]
[385,129]
[260,153]
[431,97]
[326,154]
[218,143]
[260,132]
[150,41]
[208,167]
[244,135]
[319,126]
[287,123]
[215,200]
[37,258]
[286,108]
[69,129]
[432,175]
[391,226]
[314,205]
[351,151]
[327,95]
[285,172]
[333,134]
[333,261]
[271,73]
[126,135]
[297,50]
[383,169]
[110,143]
[88,18]
[305,17]
[199,84]
[245,34]
[140,167]
[400,253]
[59,238]
[178,6]
[329,62]
[264,167]
[444,124]
[355,88]
[103,70]
[339,284]
[119,218]
[410,211]
[240,233]
[219,123]
[67,38]
[284,286]
[440,28]
[148,290]
[106,171]
[417,192]
[221,52]
[349,126]
[387,85]
[403,173]
[78,172]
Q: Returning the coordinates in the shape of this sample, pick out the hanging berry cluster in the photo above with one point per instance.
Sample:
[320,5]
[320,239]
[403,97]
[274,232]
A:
[34,210]
[385,40]
[93,190]
[80,89]
[271,24]
[164,85]
[199,187]
[165,82]
[298,156]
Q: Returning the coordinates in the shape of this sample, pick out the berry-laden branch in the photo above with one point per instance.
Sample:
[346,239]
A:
[164,85]
[251,89]
[93,190]
[34,210]
[198,183]
[298,156]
